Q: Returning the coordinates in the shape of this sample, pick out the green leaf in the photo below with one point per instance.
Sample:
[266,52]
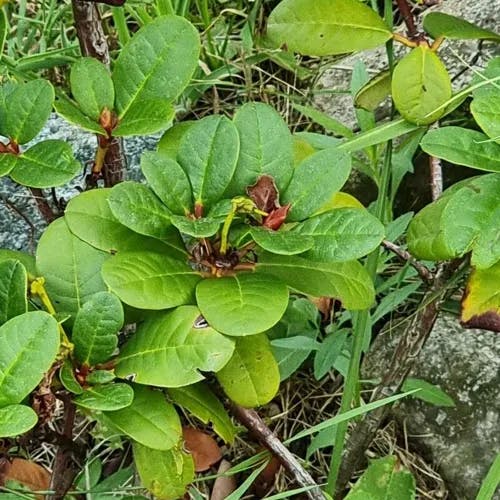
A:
[374,92]
[148,280]
[428,392]
[170,141]
[328,27]
[265,148]
[197,228]
[314,182]
[208,154]
[27,108]
[465,218]
[327,122]
[384,479]
[481,302]
[72,113]
[27,260]
[485,108]
[342,234]
[3,30]
[68,378]
[95,332]
[420,85]
[463,146]
[106,397]
[150,420]
[329,350]
[201,402]
[439,24]
[243,304]
[28,347]
[169,182]
[346,281]
[136,206]
[170,349]
[491,481]
[71,268]
[89,217]
[99,377]
[92,87]
[281,242]
[7,163]
[46,164]
[13,290]
[157,63]
[145,117]
[165,474]
[251,378]
[16,420]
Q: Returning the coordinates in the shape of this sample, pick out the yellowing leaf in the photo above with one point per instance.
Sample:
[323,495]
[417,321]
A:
[481,302]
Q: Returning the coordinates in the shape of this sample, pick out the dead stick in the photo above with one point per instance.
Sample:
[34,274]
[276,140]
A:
[422,270]
[251,420]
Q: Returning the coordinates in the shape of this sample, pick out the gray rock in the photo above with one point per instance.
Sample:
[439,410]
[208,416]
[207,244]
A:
[462,58]
[15,232]
[462,441]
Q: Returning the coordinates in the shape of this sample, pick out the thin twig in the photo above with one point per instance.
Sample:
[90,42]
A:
[251,420]
[424,272]
[43,205]
[436,173]
[405,11]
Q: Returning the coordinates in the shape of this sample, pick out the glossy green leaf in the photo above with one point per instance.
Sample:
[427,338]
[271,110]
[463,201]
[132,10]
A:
[157,63]
[458,222]
[26,110]
[169,182]
[374,92]
[198,228]
[427,392]
[170,349]
[99,377]
[3,30]
[314,182]
[342,234]
[96,327]
[165,474]
[28,346]
[463,146]
[439,24]
[71,268]
[243,304]
[266,148]
[384,479]
[208,154]
[170,141]
[27,260]
[420,85]
[16,420]
[92,87]
[486,109]
[7,163]
[68,378]
[201,402]
[46,164]
[145,117]
[72,113]
[148,280]
[106,397]
[137,207]
[150,420]
[251,378]
[481,302]
[346,281]
[13,290]
[89,217]
[326,27]
[490,483]
[281,242]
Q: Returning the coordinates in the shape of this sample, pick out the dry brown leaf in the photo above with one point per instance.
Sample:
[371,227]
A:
[223,485]
[203,448]
[28,473]
[265,480]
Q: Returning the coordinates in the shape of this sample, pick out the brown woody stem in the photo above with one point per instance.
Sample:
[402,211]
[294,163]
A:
[422,270]
[408,18]
[43,205]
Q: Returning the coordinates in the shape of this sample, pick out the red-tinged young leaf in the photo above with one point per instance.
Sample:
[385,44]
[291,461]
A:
[264,193]
[481,302]
[203,448]
[277,217]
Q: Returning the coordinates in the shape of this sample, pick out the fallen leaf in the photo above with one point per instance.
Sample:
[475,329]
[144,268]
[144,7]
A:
[203,448]
[265,480]
[223,485]
[27,473]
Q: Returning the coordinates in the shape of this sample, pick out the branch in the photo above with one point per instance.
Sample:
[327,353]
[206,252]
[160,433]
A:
[424,272]
[43,205]
[405,11]
[251,420]
[406,352]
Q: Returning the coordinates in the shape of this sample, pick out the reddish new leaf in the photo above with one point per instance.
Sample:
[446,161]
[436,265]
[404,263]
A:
[203,448]
[264,194]
[276,218]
